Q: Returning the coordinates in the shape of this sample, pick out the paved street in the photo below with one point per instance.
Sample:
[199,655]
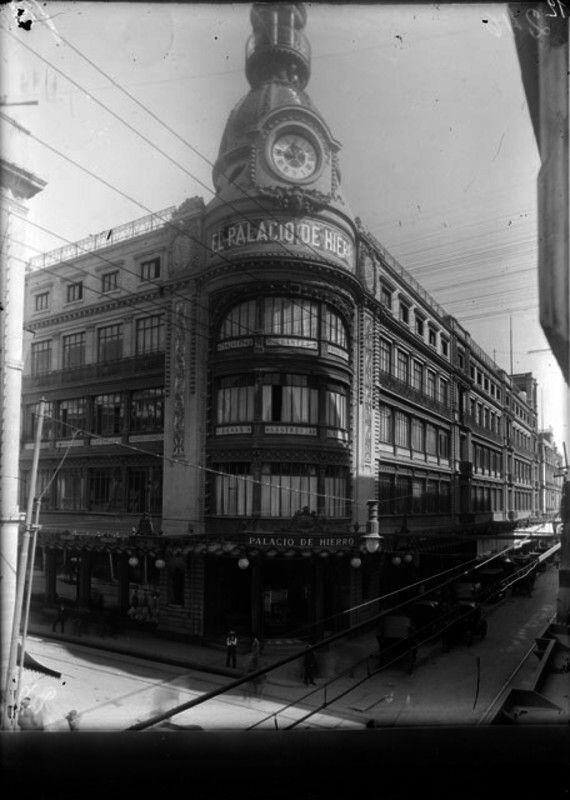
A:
[112,690]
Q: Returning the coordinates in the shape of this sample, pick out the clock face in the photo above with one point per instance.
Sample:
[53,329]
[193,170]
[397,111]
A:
[294,156]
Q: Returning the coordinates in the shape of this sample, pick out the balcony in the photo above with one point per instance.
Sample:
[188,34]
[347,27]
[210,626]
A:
[403,389]
[470,422]
[122,367]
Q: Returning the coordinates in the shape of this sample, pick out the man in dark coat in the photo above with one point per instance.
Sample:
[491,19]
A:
[309,665]
[231,649]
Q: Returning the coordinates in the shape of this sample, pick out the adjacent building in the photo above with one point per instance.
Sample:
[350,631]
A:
[236,390]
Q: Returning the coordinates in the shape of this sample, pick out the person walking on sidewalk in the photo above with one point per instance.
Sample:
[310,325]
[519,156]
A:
[309,667]
[231,649]
[60,618]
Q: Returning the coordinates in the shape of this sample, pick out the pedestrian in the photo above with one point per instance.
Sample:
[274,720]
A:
[134,608]
[60,618]
[309,665]
[231,649]
[255,646]
[28,719]
[144,615]
[73,720]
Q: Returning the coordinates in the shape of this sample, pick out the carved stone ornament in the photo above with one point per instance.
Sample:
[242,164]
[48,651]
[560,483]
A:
[179,377]
[296,201]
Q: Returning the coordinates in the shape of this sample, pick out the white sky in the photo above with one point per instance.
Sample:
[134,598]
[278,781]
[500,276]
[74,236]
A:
[439,157]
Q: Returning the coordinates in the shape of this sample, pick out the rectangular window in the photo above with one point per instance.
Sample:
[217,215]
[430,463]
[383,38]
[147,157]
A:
[31,414]
[144,490]
[336,487]
[386,494]
[386,424]
[443,447]
[70,490]
[402,429]
[72,417]
[418,376]
[432,338]
[403,499]
[106,489]
[461,359]
[431,496]
[418,436]
[386,297]
[385,356]
[233,490]
[404,313]
[444,497]
[430,384]
[75,291]
[289,398]
[418,496]
[443,392]
[403,367]
[431,440]
[108,414]
[110,343]
[41,301]
[147,410]
[288,488]
[41,357]
[336,406]
[150,334]
[235,399]
[419,326]
[110,281]
[73,350]
[445,347]
[334,328]
[149,270]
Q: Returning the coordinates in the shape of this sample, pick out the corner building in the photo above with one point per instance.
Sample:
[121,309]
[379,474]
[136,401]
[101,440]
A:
[296,382]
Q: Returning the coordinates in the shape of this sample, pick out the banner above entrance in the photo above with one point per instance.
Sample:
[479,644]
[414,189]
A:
[304,233]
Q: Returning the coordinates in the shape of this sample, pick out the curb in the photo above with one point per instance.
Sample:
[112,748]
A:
[129,651]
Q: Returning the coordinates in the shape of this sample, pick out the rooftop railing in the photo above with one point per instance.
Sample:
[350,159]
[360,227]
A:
[97,241]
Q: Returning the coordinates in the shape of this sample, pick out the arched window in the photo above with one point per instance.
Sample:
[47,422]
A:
[287,316]
[240,321]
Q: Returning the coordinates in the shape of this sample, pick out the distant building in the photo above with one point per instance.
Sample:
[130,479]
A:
[551,474]
[257,376]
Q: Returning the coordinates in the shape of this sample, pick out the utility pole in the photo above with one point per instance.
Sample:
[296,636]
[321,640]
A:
[11,680]
[17,185]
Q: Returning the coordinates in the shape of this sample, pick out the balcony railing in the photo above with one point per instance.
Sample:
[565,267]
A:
[471,422]
[411,393]
[151,362]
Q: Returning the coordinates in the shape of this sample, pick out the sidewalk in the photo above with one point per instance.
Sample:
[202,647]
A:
[211,659]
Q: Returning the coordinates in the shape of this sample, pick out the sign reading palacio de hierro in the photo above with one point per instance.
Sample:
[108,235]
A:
[304,232]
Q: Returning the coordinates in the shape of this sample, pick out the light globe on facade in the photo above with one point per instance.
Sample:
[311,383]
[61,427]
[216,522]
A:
[160,563]
[396,561]
[133,561]
[243,563]
[408,558]
[355,562]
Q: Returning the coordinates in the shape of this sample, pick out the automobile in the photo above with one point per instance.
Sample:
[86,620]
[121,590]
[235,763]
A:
[397,641]
[466,622]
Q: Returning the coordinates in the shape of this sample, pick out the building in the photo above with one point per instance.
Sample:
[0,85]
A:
[550,474]
[242,389]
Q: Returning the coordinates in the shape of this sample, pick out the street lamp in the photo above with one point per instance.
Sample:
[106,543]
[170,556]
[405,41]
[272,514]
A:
[372,539]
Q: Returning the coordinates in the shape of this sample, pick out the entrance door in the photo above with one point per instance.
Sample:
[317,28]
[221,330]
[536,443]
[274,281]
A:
[285,597]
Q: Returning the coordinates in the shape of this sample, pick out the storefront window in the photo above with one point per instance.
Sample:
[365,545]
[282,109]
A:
[72,417]
[234,490]
[147,410]
[70,486]
[336,502]
[235,399]
[289,398]
[288,488]
[106,491]
[108,414]
[336,406]
[386,493]
[334,329]
[288,317]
